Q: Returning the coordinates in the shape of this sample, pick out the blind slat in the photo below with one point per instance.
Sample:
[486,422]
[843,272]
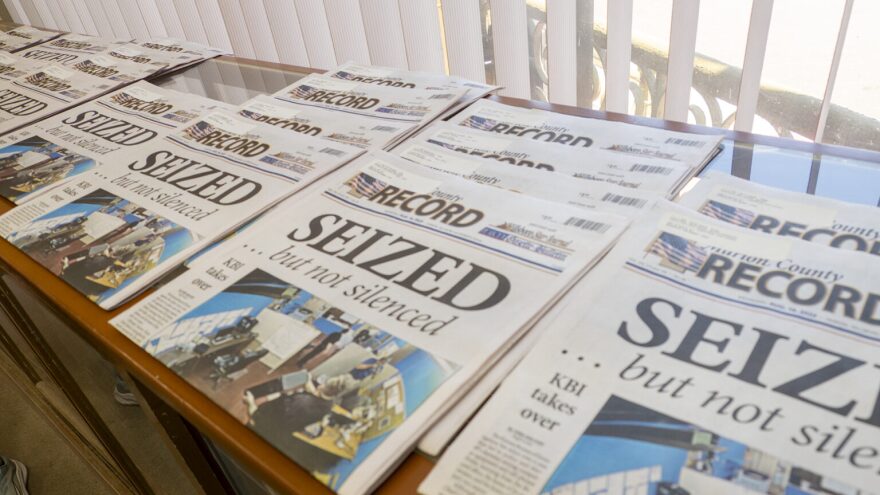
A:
[233,22]
[464,39]
[384,33]
[85,16]
[45,14]
[170,19]
[32,14]
[832,71]
[562,51]
[188,13]
[260,32]
[618,56]
[347,30]
[152,18]
[316,33]
[420,21]
[753,64]
[102,24]
[287,35]
[16,11]
[680,71]
[131,15]
[510,40]
[212,21]
[71,16]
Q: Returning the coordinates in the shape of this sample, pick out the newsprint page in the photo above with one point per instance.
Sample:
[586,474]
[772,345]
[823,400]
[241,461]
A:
[104,130]
[113,231]
[714,359]
[765,209]
[355,320]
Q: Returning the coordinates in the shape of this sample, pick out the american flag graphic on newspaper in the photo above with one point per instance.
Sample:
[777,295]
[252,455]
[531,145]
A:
[727,213]
[477,122]
[365,185]
[301,92]
[678,252]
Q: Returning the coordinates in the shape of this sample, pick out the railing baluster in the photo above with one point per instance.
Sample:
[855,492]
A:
[832,71]
[464,39]
[562,62]
[618,56]
[753,64]
[680,71]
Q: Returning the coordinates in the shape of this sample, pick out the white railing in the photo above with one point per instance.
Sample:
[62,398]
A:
[430,35]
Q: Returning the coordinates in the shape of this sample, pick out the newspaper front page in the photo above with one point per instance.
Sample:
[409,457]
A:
[414,106]
[13,66]
[363,132]
[354,315]
[23,37]
[714,359]
[397,78]
[641,172]
[70,48]
[111,232]
[694,150]
[46,91]
[812,218]
[104,130]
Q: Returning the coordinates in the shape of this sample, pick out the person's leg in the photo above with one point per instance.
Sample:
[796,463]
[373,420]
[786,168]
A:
[13,477]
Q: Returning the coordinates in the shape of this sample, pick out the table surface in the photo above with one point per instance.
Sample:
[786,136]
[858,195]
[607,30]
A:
[837,172]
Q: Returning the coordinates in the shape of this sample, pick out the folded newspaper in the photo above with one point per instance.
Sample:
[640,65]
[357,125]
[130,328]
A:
[414,106]
[113,231]
[363,132]
[623,183]
[714,359]
[644,172]
[13,66]
[22,37]
[694,150]
[70,48]
[397,78]
[100,131]
[560,188]
[345,321]
[45,91]
[765,209]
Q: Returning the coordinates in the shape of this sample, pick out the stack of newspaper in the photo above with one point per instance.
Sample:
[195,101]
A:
[113,231]
[622,168]
[100,131]
[72,69]
[397,102]
[22,37]
[727,347]
[346,321]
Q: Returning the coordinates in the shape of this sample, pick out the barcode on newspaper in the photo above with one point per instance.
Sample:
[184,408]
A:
[624,200]
[583,223]
[442,96]
[650,169]
[383,128]
[331,151]
[684,142]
